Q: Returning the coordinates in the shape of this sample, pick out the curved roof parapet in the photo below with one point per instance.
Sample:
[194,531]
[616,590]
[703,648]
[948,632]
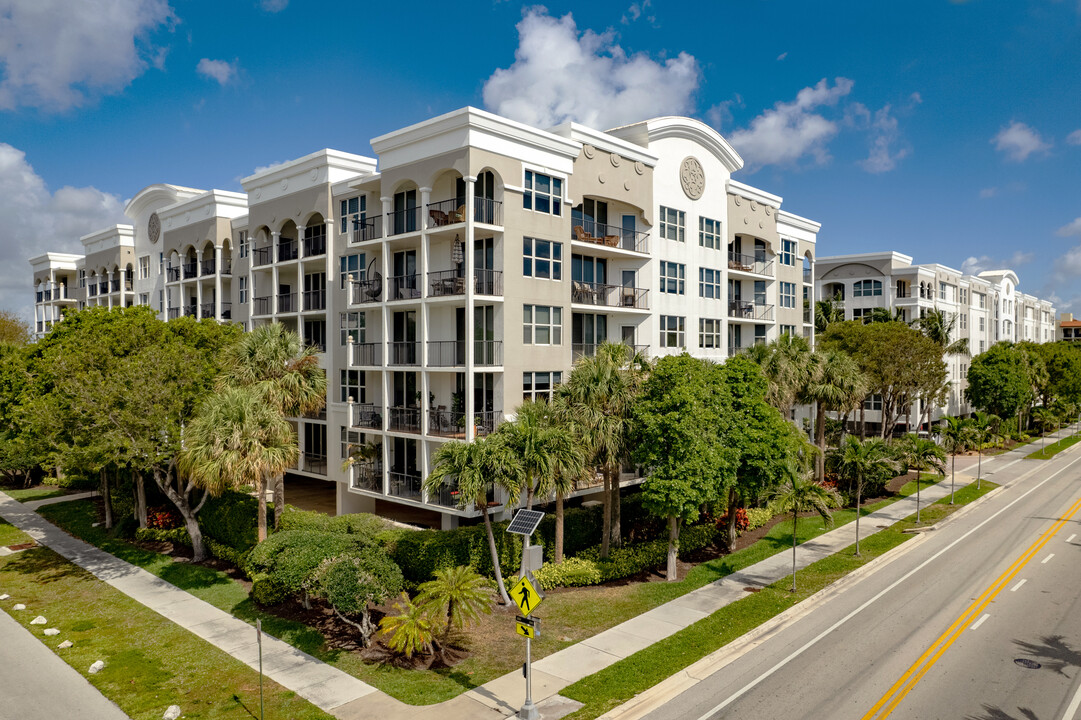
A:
[159,193]
[999,274]
[681,127]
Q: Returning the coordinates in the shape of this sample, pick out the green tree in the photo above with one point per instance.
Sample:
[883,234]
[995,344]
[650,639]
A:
[924,455]
[983,425]
[353,582]
[835,384]
[13,329]
[827,312]
[956,435]
[939,327]
[999,382]
[545,447]
[458,594]
[800,493]
[857,461]
[786,364]
[411,629]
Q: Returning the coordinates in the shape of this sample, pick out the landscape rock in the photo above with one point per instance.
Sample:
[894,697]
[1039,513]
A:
[172,713]
[18,606]
[52,631]
[5,596]
[39,620]
[65,645]
[95,524]
[97,667]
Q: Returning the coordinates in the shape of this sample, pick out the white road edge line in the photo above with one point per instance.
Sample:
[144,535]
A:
[1071,711]
[1016,587]
[1044,561]
[979,622]
[813,641]
[1070,539]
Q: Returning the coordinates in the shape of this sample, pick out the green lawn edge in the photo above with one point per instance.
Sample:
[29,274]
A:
[618,683]
[38,492]
[1054,448]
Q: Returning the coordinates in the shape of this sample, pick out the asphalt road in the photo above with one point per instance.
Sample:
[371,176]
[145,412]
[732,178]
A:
[936,632]
[35,684]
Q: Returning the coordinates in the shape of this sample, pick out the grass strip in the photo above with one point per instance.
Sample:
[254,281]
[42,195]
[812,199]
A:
[38,492]
[1054,448]
[11,535]
[150,663]
[621,681]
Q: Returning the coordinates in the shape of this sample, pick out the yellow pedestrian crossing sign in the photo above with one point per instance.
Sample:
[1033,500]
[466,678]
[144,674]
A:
[525,596]
[526,630]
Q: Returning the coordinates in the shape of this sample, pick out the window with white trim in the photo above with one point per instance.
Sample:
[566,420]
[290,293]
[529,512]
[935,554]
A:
[789,330]
[144,267]
[543,193]
[144,298]
[351,326]
[161,263]
[964,321]
[540,385]
[709,233]
[788,252]
[161,301]
[673,334]
[709,283]
[351,385]
[867,288]
[673,224]
[242,244]
[82,278]
[352,210]
[542,259]
[542,325]
[873,403]
[983,322]
[243,289]
[350,265]
[673,278]
[788,294]
[350,439]
[709,333]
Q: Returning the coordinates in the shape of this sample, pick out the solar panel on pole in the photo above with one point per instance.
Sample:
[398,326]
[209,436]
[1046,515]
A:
[525,522]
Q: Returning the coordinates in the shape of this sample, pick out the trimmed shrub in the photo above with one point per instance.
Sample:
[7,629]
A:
[289,557]
[757,517]
[178,535]
[231,519]
[572,572]
[296,519]
[351,582]
[226,553]
[366,526]
[266,591]
[420,553]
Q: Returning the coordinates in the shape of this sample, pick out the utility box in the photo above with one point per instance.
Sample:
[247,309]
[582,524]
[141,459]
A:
[533,557]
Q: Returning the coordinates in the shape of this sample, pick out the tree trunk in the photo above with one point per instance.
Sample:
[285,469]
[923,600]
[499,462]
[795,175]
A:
[953,473]
[795,520]
[979,462]
[606,529]
[260,489]
[673,549]
[617,535]
[140,499]
[187,512]
[279,498]
[733,498]
[107,499]
[195,533]
[559,529]
[863,422]
[820,440]
[495,553]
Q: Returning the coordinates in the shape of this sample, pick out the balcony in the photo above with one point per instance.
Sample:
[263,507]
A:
[190,269]
[367,354]
[262,256]
[227,311]
[404,287]
[368,476]
[226,266]
[750,311]
[206,310]
[173,313]
[261,305]
[191,310]
[208,267]
[749,264]
[404,353]
[92,289]
[488,282]
[315,300]
[314,246]
[591,231]
[172,274]
[405,485]
[736,349]
[610,295]
[367,415]
[287,250]
[451,423]
[451,353]
[366,291]
[315,463]
[446,212]
[487,211]
[808,276]
[404,221]
[287,302]
[404,419]
[41,296]
[446,496]
[367,228]
[103,288]
[447,283]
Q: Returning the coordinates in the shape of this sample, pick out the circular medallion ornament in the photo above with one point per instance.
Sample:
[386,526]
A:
[754,206]
[587,150]
[736,200]
[692,177]
[153,228]
[616,160]
[284,185]
[768,209]
[639,168]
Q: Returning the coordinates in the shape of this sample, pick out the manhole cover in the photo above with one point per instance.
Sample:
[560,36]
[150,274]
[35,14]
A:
[1026,663]
[752,589]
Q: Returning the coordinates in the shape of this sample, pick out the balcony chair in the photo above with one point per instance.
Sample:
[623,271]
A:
[581,235]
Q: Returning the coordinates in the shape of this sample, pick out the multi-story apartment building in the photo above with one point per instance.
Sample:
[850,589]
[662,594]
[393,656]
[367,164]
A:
[463,269]
[985,308]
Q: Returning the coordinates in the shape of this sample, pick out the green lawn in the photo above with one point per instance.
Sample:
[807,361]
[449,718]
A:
[11,535]
[1055,448]
[150,663]
[38,492]
[620,682]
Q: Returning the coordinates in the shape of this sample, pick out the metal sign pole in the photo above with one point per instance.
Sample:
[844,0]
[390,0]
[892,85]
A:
[259,639]
[529,710]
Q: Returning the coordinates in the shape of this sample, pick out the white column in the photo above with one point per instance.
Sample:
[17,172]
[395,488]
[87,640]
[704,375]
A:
[388,205]
[422,334]
[123,273]
[108,275]
[300,241]
[198,284]
[217,282]
[384,314]
[470,297]
[275,237]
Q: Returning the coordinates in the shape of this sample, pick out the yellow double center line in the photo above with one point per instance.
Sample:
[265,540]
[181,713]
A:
[914,674]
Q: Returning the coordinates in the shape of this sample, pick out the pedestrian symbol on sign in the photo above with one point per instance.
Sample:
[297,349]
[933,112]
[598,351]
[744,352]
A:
[525,596]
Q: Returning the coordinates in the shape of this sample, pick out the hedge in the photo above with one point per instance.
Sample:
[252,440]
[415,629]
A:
[232,520]
[420,553]
[365,526]
[282,563]
[757,517]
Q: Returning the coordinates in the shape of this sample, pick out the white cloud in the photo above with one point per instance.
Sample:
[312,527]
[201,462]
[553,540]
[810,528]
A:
[976,265]
[791,130]
[220,70]
[58,54]
[636,10]
[882,126]
[274,6]
[782,56]
[36,221]
[1074,138]
[989,192]
[1018,141]
[1071,228]
[560,74]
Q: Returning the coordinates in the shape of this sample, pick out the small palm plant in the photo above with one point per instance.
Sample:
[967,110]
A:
[410,629]
[922,454]
[957,437]
[458,594]
[800,493]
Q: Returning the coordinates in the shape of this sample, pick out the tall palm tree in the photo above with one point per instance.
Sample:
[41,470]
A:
[800,493]
[545,448]
[922,454]
[237,439]
[474,468]
[827,312]
[565,482]
[858,460]
[285,372]
[786,364]
[982,426]
[957,436]
[1044,418]
[834,383]
[939,327]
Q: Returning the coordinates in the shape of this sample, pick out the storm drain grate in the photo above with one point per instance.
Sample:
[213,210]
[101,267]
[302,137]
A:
[1026,663]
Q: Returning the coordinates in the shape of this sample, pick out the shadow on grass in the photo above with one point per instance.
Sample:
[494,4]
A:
[192,577]
[42,565]
[296,634]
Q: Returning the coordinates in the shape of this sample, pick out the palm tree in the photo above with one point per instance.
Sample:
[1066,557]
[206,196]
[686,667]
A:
[983,425]
[835,383]
[828,312]
[284,371]
[237,439]
[922,454]
[458,593]
[474,468]
[546,449]
[858,460]
[800,493]
[411,629]
[786,364]
[1044,418]
[565,483]
[957,436]
[939,327]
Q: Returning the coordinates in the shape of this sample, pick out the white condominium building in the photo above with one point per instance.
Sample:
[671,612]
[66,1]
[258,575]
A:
[460,270]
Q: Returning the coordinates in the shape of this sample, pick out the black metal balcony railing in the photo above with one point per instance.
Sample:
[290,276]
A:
[446,212]
[405,287]
[367,415]
[367,354]
[208,266]
[129,285]
[488,352]
[314,246]
[367,228]
[191,310]
[287,250]
[92,289]
[749,310]
[749,264]
[446,353]
[446,496]
[227,311]
[404,419]
[446,423]
[487,282]
[366,291]
[287,302]
[445,283]
[590,231]
[404,353]
[226,266]
[190,269]
[368,476]
[103,288]
[115,286]
[580,350]
[262,256]
[206,310]
[172,274]
[405,484]
[610,295]
[261,305]
[315,299]
[405,221]
[487,211]
[315,463]
[319,344]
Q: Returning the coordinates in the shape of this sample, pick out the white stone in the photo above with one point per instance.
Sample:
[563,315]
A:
[5,596]
[52,631]
[65,645]
[97,667]
[39,620]
[171,713]
[95,524]
[18,606]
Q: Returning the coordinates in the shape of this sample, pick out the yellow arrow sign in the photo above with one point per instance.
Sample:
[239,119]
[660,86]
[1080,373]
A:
[525,630]
[525,596]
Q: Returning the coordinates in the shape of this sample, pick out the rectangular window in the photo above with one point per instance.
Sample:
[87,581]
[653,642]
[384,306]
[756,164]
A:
[350,265]
[860,313]
[539,385]
[788,295]
[543,193]
[789,330]
[964,296]
[352,327]
[542,325]
[788,252]
[144,267]
[82,278]
[351,385]
[144,298]
[709,333]
[709,233]
[873,402]
[352,210]
[709,283]
[542,259]
[673,224]
[161,301]
[942,291]
[964,321]
[161,263]
[982,345]
[350,439]
[672,331]
[983,300]
[673,278]
[242,244]
[243,293]
[982,323]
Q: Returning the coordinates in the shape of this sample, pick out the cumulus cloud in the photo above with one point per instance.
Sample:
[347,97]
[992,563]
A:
[1074,138]
[1018,141]
[36,221]
[637,10]
[560,74]
[791,130]
[1069,229]
[884,137]
[782,56]
[220,70]
[58,54]
[975,265]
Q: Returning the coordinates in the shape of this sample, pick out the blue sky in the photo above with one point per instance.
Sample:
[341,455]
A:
[950,131]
